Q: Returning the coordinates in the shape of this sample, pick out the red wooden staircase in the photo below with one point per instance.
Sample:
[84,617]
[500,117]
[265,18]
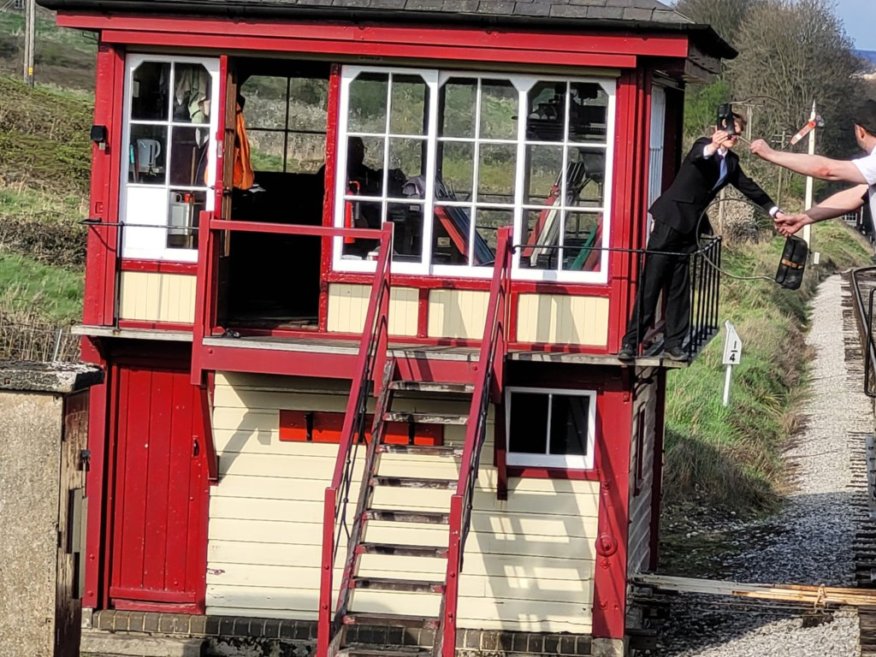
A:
[405,540]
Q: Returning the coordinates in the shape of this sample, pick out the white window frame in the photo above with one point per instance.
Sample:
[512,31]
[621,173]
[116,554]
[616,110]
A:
[546,460]
[655,150]
[141,241]
[434,79]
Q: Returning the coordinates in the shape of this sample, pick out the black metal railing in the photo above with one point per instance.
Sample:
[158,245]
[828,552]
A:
[864,286]
[704,269]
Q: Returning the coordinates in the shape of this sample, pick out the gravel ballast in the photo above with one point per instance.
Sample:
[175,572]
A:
[810,540]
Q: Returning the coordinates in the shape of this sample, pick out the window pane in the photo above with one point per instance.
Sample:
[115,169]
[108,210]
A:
[487,224]
[146,154]
[546,114]
[544,165]
[528,425]
[308,103]
[456,168]
[182,218]
[408,233]
[451,235]
[407,158]
[306,153]
[496,172]
[499,110]
[582,240]
[368,103]
[588,112]
[149,91]
[264,102]
[265,150]
[542,232]
[409,113]
[191,94]
[188,156]
[569,424]
[361,214]
[457,108]
[585,174]
[365,166]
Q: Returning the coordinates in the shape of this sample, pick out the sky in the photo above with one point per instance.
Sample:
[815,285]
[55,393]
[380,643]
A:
[859,20]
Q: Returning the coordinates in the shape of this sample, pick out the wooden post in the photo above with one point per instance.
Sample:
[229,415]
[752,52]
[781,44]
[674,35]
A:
[29,32]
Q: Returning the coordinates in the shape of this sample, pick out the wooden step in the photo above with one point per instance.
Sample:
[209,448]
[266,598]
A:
[413,482]
[424,450]
[390,584]
[433,386]
[425,418]
[385,651]
[402,550]
[403,515]
[390,620]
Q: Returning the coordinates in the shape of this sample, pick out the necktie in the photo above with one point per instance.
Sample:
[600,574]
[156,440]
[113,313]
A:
[722,169]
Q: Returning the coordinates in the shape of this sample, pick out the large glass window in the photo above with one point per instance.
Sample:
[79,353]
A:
[452,157]
[285,121]
[169,146]
[550,428]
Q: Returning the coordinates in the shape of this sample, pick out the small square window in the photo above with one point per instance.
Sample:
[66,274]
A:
[550,428]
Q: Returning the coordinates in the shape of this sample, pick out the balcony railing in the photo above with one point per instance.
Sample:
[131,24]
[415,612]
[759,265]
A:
[212,237]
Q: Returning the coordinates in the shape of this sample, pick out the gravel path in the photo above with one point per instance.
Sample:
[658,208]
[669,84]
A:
[810,540]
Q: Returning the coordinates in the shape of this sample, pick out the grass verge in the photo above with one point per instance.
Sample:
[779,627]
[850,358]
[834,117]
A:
[36,290]
[730,458]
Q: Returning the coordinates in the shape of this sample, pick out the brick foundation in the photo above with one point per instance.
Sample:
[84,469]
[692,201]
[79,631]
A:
[222,635]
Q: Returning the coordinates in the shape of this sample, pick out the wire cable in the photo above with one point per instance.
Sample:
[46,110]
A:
[715,203]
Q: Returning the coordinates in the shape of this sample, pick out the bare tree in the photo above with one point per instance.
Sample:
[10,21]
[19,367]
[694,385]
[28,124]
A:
[791,53]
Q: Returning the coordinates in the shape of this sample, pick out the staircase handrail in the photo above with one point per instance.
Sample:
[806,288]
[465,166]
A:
[488,386]
[371,358]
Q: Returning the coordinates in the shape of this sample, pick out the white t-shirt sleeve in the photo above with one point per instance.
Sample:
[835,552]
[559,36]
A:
[867,166]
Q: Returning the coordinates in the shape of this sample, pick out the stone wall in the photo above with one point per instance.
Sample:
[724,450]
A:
[30,435]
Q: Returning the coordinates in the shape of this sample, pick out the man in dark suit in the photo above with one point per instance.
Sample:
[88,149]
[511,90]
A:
[679,218]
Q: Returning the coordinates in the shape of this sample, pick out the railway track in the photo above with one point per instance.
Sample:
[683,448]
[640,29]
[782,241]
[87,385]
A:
[861,363]
[813,604]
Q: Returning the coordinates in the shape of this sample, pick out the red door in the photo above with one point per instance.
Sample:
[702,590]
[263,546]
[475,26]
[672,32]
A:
[160,493]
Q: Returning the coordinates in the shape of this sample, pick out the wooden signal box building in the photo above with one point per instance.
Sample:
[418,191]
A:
[357,274]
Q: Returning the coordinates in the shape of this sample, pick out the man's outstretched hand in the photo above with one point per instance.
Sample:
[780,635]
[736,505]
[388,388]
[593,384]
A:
[762,149]
[788,224]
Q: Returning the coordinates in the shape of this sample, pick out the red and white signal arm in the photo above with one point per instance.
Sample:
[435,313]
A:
[732,345]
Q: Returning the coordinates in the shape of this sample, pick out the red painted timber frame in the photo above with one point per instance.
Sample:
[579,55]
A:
[466,44]
[379,40]
[613,445]
[159,266]
[101,254]
[98,409]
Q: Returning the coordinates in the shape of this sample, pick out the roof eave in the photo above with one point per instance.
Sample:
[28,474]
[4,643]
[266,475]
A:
[706,39]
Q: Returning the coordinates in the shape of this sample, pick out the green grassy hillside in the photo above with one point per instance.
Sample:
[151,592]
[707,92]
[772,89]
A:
[61,57]
[44,172]
[731,457]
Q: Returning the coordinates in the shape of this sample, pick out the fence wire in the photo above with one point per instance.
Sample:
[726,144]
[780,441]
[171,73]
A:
[38,343]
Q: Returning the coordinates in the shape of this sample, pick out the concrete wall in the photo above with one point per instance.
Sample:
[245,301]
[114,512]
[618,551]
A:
[30,436]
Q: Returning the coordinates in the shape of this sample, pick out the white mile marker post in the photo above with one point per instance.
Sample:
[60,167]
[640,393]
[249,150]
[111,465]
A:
[732,355]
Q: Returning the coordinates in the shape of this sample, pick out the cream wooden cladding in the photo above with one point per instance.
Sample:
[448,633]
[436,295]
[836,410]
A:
[348,306]
[156,297]
[457,313]
[554,318]
[529,560]
[541,318]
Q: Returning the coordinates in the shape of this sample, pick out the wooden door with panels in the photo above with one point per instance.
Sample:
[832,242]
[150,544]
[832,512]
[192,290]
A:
[160,491]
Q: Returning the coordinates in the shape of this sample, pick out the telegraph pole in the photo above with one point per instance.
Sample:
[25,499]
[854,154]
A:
[807,230]
[29,32]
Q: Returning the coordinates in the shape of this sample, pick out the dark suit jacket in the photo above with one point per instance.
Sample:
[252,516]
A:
[693,189]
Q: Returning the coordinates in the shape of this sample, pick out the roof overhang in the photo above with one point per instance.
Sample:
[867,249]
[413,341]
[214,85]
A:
[704,40]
